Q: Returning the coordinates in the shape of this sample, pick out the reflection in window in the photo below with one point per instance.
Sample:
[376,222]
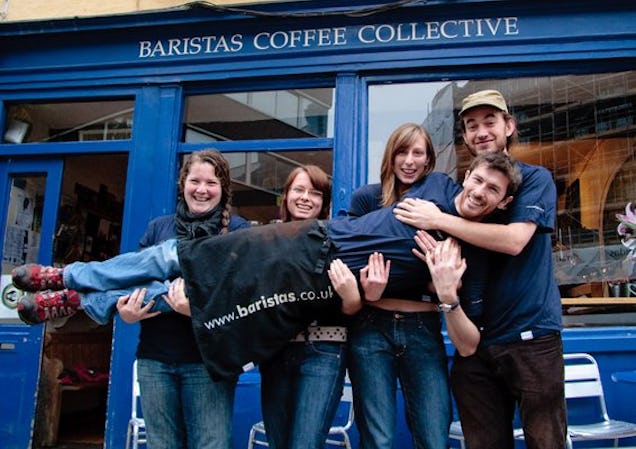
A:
[275,114]
[69,122]
[582,128]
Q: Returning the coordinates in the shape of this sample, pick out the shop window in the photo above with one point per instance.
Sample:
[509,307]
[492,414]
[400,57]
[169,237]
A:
[69,122]
[273,114]
[582,128]
[91,208]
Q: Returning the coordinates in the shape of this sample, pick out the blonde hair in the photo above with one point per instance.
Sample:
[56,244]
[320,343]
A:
[221,171]
[319,179]
[402,137]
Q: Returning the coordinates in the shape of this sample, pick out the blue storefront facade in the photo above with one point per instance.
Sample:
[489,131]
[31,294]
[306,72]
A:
[97,113]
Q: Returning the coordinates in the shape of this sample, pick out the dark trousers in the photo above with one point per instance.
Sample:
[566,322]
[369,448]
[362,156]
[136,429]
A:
[490,384]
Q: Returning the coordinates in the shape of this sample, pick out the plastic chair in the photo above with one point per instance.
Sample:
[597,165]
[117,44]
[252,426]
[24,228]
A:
[136,433]
[258,429]
[455,433]
[583,384]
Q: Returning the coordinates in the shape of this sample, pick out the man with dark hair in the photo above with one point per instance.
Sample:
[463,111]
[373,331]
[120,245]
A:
[519,360]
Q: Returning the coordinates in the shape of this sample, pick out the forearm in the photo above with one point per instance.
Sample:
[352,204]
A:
[462,332]
[351,306]
[507,240]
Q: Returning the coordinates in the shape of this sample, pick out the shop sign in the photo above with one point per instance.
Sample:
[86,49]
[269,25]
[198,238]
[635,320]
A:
[407,33]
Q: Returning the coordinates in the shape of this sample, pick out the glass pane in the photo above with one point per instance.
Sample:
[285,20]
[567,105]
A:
[273,114]
[91,208]
[258,179]
[69,122]
[22,234]
[581,127]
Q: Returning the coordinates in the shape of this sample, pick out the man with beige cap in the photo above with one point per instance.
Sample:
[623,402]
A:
[519,360]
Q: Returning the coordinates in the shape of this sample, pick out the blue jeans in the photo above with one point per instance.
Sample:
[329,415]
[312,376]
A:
[386,346]
[101,306]
[183,407]
[300,392]
[104,282]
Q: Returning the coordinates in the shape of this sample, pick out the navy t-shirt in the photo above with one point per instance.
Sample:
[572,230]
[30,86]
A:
[523,299]
[168,337]
[365,199]
[379,230]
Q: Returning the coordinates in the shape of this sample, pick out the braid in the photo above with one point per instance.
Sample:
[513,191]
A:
[225,217]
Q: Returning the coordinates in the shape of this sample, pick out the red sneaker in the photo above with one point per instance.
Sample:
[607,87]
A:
[33,278]
[35,308]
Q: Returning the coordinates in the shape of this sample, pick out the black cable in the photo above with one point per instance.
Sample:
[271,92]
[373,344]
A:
[360,12]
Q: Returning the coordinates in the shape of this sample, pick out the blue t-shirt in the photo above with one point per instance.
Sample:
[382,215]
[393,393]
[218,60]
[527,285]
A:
[168,337]
[365,199]
[523,299]
[379,230]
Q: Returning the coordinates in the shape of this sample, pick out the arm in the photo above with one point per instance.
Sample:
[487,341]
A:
[511,238]
[447,267]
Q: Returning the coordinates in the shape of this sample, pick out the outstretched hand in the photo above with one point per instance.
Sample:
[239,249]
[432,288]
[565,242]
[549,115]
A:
[132,309]
[177,299]
[426,243]
[446,266]
[375,276]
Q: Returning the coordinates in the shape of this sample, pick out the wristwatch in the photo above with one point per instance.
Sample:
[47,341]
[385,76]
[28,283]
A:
[447,307]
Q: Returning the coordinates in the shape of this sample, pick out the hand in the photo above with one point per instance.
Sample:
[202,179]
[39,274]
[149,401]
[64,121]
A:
[418,213]
[345,284]
[426,242]
[131,308]
[177,298]
[375,276]
[446,267]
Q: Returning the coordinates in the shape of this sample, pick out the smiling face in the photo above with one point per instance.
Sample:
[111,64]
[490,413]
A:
[410,162]
[303,200]
[485,190]
[202,189]
[485,129]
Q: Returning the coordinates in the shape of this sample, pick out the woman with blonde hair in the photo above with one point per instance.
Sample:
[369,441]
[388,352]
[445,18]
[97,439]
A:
[399,338]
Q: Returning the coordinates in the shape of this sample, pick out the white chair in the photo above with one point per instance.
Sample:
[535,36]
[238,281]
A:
[136,433]
[455,433]
[583,383]
[258,436]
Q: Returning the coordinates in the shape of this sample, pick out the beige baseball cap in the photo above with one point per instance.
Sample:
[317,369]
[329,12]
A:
[489,97]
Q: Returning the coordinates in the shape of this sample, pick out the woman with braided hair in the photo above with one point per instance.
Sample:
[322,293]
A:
[183,407]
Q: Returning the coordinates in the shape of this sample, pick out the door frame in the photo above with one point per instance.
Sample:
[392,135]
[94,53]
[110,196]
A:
[21,345]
